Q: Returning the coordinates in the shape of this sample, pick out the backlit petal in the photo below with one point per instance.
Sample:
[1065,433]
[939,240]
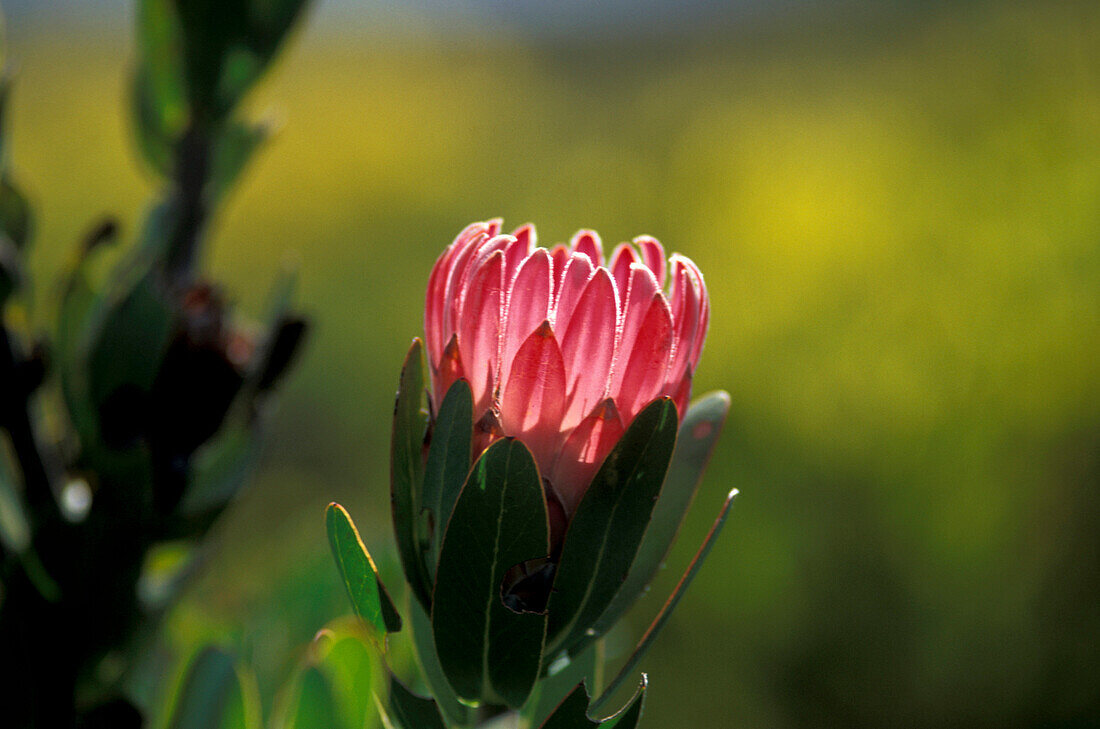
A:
[583,452]
[653,255]
[533,398]
[577,272]
[588,242]
[588,346]
[479,328]
[647,363]
[528,303]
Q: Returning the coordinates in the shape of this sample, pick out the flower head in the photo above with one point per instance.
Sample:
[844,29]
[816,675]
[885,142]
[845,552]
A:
[561,350]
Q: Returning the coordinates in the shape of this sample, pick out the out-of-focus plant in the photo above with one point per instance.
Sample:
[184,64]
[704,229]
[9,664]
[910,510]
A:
[537,493]
[135,421]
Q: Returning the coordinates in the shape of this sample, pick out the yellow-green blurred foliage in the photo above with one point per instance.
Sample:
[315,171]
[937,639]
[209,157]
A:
[898,216]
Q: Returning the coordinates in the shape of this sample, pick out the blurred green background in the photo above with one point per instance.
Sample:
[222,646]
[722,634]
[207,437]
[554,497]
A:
[897,210]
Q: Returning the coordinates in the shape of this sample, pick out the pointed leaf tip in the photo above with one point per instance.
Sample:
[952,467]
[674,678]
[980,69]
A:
[359,574]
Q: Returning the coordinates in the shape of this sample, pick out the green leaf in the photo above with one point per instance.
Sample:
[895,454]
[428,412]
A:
[360,576]
[670,604]
[412,711]
[213,696]
[487,651]
[407,472]
[694,445]
[629,716]
[312,705]
[420,628]
[448,461]
[604,534]
[573,711]
[560,681]
[352,668]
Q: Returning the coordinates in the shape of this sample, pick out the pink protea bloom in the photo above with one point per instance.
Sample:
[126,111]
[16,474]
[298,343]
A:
[560,350]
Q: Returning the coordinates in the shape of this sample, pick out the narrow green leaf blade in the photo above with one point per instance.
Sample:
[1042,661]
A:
[487,651]
[571,713]
[629,716]
[553,688]
[420,627]
[609,524]
[448,461]
[673,600]
[360,576]
[212,696]
[412,711]
[694,445]
[407,472]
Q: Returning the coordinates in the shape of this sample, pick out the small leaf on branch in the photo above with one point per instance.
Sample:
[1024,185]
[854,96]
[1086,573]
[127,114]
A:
[407,472]
[448,461]
[360,576]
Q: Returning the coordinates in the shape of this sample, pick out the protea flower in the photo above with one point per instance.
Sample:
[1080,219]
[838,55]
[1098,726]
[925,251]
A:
[559,349]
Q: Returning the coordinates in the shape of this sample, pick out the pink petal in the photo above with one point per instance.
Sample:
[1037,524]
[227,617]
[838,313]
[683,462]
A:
[450,372]
[533,398]
[653,254]
[528,302]
[647,362]
[621,259]
[526,233]
[515,253]
[696,278]
[577,272]
[560,255]
[588,346]
[686,310]
[583,453]
[681,394]
[639,294]
[588,242]
[492,226]
[434,307]
[479,328]
[460,262]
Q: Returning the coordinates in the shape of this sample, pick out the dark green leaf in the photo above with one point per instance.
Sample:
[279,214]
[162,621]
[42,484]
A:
[421,629]
[694,445]
[412,711]
[448,461]
[360,576]
[487,651]
[609,524]
[571,713]
[629,716]
[213,696]
[407,472]
[560,681]
[670,605]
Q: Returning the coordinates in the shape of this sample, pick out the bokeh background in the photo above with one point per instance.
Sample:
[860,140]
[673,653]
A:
[897,209]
